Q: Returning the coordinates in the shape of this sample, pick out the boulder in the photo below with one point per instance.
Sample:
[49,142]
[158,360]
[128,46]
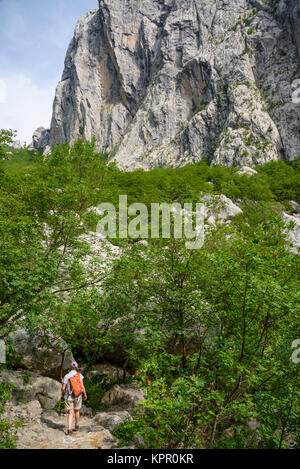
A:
[105,440]
[51,414]
[108,371]
[219,208]
[295,207]
[28,412]
[47,150]
[16,145]
[48,391]
[40,138]
[111,420]
[28,388]
[293,235]
[123,395]
[139,441]
[86,412]
[246,170]
[36,357]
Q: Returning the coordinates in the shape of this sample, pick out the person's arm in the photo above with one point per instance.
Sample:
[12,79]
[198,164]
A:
[84,392]
[63,389]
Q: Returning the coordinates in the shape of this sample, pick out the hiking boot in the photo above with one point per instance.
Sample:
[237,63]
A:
[69,432]
[76,429]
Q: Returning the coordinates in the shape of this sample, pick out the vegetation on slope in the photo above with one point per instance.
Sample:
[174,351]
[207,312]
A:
[207,332]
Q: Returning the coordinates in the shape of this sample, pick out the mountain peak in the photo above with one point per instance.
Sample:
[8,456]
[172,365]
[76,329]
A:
[168,82]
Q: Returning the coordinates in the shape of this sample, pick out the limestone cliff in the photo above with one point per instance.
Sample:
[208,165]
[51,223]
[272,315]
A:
[166,82]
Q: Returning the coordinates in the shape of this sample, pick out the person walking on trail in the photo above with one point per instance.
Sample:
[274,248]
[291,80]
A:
[72,391]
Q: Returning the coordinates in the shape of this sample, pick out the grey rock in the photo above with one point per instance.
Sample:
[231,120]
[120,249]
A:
[50,414]
[108,371]
[26,412]
[111,420]
[100,246]
[139,441]
[171,82]
[86,411]
[40,138]
[246,170]
[101,254]
[31,388]
[219,209]
[289,12]
[105,440]
[293,235]
[37,357]
[16,145]
[295,207]
[47,150]
[123,395]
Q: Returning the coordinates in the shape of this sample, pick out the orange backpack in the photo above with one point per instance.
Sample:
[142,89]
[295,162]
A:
[76,385]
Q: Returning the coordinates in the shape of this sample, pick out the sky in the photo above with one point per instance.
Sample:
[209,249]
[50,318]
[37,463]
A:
[34,36]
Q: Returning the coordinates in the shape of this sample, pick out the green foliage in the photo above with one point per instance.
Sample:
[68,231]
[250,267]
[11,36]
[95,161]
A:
[21,160]
[59,406]
[200,109]
[247,21]
[6,137]
[12,357]
[96,387]
[208,332]
[164,419]
[41,256]
[26,377]
[7,436]
[230,311]
[125,433]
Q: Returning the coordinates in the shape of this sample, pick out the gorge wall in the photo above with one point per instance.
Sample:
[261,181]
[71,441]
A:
[167,82]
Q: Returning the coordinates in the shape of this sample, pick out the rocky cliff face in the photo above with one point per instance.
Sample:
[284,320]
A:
[166,82]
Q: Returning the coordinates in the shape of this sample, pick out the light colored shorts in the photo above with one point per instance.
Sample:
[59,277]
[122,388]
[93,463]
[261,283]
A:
[74,405]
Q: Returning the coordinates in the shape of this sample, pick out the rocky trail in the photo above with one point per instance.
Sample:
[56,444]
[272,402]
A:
[49,432]
[41,427]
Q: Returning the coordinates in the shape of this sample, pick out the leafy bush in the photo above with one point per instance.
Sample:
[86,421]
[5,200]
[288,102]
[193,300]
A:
[7,434]
[96,387]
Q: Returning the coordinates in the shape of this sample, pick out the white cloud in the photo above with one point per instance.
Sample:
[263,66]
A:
[2,92]
[26,105]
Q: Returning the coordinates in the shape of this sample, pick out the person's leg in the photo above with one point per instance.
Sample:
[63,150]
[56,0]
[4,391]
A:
[77,415]
[70,409]
[77,407]
[70,419]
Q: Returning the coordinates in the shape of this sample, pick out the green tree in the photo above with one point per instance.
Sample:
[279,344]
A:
[6,137]
[235,303]
[7,429]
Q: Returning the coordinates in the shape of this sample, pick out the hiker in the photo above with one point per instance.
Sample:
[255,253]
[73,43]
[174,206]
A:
[72,390]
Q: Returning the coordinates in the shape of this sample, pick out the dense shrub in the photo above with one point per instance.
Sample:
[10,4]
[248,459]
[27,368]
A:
[7,433]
